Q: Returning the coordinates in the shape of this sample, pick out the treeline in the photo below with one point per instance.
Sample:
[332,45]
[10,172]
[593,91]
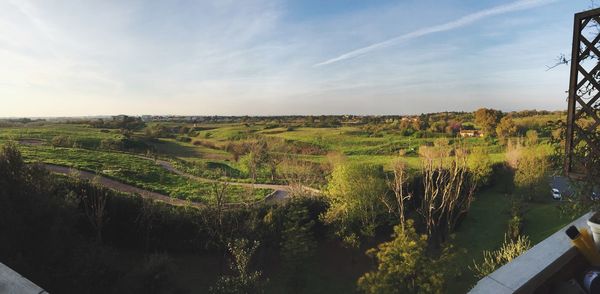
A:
[338,120]
[123,122]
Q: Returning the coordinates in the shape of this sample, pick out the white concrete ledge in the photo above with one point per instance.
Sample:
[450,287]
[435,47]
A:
[13,283]
[531,269]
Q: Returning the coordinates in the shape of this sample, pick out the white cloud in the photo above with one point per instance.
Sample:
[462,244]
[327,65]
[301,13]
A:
[458,23]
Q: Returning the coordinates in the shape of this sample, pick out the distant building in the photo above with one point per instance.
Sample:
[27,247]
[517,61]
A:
[470,133]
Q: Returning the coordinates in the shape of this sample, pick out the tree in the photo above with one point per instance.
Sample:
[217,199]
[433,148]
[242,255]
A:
[219,197]
[480,166]
[258,156]
[145,220]
[531,168]
[399,185]
[403,265]
[354,191]
[447,188]
[273,162]
[94,200]
[213,218]
[532,137]
[236,150]
[487,119]
[506,128]
[300,175]
[298,244]
[243,279]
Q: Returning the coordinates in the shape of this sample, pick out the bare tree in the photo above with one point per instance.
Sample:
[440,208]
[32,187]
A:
[273,161]
[448,190]
[219,195]
[398,185]
[214,214]
[94,203]
[300,176]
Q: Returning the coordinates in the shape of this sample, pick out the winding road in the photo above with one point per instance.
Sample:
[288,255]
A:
[280,192]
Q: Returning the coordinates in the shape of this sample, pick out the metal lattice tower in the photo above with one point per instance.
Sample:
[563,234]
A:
[582,144]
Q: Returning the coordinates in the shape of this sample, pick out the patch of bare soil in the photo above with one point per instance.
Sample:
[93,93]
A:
[32,142]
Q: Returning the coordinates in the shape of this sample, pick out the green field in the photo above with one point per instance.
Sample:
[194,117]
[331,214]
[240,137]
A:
[204,150]
[352,142]
[486,223]
[134,170]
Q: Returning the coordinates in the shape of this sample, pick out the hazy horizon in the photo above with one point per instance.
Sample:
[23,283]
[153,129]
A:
[259,115]
[266,58]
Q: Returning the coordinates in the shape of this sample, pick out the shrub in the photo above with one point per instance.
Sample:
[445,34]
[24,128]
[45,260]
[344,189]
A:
[244,279]
[403,265]
[515,224]
[110,144]
[62,141]
[207,144]
[494,259]
[184,139]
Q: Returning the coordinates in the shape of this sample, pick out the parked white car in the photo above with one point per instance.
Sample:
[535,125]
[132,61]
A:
[556,194]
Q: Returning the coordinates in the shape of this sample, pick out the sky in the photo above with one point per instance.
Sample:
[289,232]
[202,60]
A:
[282,57]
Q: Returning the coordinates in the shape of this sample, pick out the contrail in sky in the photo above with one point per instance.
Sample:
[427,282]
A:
[458,23]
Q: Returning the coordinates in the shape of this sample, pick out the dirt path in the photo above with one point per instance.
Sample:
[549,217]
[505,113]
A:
[119,186]
[280,192]
[168,166]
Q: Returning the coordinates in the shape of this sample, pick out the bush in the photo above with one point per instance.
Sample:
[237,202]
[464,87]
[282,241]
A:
[62,141]
[207,144]
[184,139]
[515,224]
[110,144]
[494,259]
[403,265]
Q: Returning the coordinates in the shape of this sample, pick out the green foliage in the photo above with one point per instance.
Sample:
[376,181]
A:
[156,131]
[155,276]
[243,280]
[515,223]
[298,245]
[46,236]
[111,144]
[492,260]
[514,227]
[532,137]
[487,119]
[531,170]
[184,139]
[354,192]
[61,141]
[506,128]
[123,122]
[480,166]
[404,266]
[131,169]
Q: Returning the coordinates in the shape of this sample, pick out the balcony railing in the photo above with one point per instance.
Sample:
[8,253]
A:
[12,282]
[540,268]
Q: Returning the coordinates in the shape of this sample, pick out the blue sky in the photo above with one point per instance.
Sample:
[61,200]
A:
[259,57]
